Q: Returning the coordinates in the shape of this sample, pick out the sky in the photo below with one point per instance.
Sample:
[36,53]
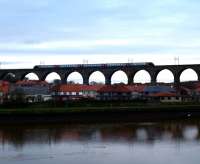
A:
[97,31]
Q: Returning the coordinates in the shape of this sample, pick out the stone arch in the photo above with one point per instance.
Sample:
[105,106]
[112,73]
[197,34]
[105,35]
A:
[97,76]
[165,76]
[188,74]
[30,76]
[119,76]
[75,77]
[142,76]
[9,76]
[51,76]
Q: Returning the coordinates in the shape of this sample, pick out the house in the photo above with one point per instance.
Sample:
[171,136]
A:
[76,91]
[161,93]
[114,92]
[4,90]
[166,97]
[91,91]
[185,91]
[67,91]
[137,91]
[33,90]
[189,93]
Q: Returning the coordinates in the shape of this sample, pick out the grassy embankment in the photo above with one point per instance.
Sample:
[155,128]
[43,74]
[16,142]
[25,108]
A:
[92,107]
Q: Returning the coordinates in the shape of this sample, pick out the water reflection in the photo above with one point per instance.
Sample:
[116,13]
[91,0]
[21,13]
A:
[191,132]
[153,143]
[18,135]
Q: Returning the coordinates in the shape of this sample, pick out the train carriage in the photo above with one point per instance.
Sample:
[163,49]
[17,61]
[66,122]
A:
[94,65]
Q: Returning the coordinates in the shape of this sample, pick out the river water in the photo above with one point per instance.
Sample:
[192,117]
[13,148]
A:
[169,142]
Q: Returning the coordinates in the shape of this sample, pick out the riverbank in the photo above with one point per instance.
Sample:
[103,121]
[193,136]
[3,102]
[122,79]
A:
[151,112]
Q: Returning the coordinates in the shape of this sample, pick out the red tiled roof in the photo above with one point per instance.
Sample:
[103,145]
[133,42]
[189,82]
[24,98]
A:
[114,88]
[69,88]
[92,87]
[136,88]
[4,87]
[99,88]
[76,87]
[163,94]
[2,83]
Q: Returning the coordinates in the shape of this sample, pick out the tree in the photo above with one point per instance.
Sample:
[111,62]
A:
[10,77]
[71,82]
[56,82]
[18,96]
[96,83]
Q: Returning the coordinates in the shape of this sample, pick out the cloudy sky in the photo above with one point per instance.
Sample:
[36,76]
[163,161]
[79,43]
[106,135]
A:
[73,31]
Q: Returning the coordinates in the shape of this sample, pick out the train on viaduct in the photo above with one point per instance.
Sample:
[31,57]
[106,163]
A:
[108,69]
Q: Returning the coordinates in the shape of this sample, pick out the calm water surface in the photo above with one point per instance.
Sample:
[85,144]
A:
[171,142]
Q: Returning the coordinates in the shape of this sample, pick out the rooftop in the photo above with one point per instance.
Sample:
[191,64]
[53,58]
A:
[115,88]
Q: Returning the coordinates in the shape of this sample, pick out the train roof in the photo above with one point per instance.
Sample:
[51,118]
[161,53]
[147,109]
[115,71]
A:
[94,65]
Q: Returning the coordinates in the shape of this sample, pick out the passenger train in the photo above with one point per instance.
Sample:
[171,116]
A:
[95,65]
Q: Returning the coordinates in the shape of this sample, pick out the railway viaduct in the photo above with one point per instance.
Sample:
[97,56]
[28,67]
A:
[86,70]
